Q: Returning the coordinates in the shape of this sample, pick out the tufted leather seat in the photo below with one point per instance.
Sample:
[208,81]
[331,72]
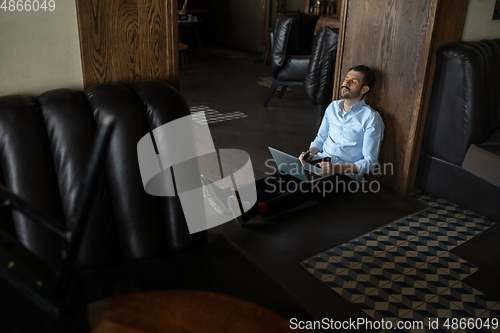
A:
[45,142]
[464,110]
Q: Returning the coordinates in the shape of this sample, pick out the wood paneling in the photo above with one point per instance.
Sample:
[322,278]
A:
[396,38]
[124,41]
[340,50]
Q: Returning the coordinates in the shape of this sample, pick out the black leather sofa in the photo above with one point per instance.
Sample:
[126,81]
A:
[463,119]
[45,145]
[134,241]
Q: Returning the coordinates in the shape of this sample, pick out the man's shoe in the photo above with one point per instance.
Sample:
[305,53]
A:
[213,199]
[234,208]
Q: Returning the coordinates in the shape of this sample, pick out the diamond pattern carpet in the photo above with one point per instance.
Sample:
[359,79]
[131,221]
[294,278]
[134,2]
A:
[404,270]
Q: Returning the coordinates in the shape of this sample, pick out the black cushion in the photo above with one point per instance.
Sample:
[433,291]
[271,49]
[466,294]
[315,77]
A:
[294,69]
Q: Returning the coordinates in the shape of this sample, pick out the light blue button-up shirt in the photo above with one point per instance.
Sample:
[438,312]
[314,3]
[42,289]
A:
[353,138]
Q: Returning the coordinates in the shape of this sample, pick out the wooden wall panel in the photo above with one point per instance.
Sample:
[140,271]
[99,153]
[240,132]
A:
[395,38]
[125,41]
[340,51]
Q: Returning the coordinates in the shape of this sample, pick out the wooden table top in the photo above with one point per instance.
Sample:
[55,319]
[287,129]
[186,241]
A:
[182,311]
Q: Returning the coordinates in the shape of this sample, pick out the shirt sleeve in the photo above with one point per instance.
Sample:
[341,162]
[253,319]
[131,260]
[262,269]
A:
[371,144]
[323,131]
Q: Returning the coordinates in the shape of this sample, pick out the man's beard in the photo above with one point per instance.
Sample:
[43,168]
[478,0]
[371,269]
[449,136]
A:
[349,94]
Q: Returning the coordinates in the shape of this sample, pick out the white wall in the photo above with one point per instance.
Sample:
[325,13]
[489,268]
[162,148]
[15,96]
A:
[40,50]
[478,23]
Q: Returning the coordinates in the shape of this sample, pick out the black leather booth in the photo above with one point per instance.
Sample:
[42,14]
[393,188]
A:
[464,111]
[133,241]
[45,142]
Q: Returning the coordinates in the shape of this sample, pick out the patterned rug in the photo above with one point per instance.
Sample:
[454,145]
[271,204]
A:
[404,270]
[213,116]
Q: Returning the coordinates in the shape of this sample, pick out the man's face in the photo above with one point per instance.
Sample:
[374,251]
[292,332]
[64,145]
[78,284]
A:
[352,87]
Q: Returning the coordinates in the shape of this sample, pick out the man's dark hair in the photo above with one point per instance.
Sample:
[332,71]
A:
[368,75]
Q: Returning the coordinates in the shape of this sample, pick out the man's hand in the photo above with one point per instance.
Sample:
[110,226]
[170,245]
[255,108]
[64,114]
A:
[312,151]
[327,168]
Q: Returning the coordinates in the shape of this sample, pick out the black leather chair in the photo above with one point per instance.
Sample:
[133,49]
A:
[292,43]
[318,83]
[463,117]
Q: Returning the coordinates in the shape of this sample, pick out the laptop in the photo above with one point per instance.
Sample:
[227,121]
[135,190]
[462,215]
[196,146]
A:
[292,166]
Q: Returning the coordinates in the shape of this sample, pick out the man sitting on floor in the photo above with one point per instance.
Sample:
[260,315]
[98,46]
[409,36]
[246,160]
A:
[347,146]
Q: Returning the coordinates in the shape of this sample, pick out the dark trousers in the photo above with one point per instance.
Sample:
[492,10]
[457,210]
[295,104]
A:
[281,192]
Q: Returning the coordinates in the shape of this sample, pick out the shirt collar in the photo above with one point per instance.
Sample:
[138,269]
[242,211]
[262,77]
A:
[356,107]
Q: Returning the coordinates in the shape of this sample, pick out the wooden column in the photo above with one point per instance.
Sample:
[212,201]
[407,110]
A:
[398,39]
[124,41]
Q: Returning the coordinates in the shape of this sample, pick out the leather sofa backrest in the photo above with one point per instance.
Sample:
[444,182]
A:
[315,83]
[44,146]
[464,108]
